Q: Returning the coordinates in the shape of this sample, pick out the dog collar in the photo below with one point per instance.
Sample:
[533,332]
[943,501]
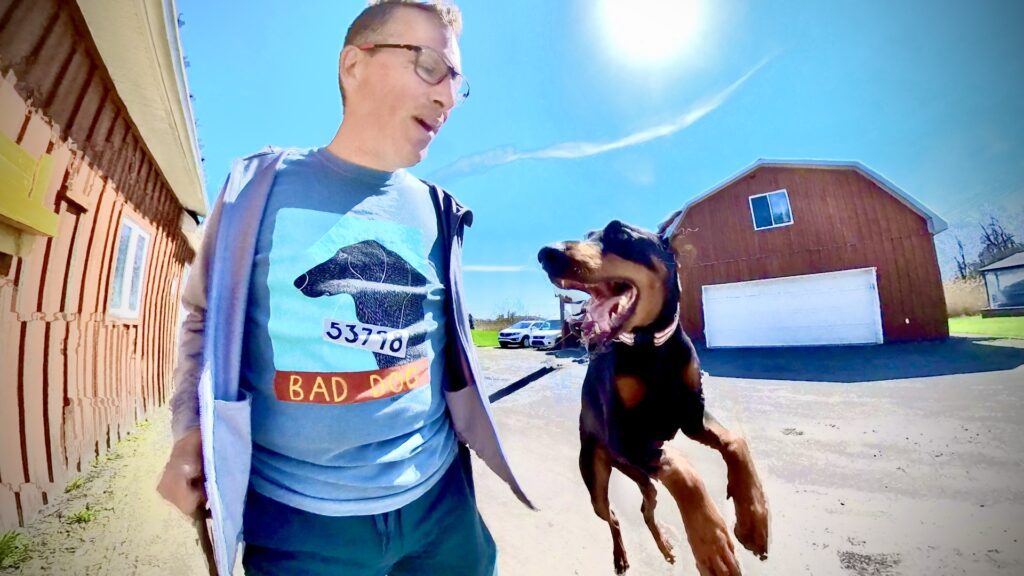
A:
[629,338]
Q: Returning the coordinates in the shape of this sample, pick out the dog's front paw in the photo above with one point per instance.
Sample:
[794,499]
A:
[752,528]
[712,549]
[751,517]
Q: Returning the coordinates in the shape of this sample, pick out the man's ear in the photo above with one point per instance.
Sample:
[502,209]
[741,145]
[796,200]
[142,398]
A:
[349,65]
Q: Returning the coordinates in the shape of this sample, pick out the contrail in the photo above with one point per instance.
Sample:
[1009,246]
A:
[484,161]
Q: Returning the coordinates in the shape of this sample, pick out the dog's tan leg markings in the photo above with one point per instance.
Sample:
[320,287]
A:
[744,486]
[596,467]
[650,494]
[705,529]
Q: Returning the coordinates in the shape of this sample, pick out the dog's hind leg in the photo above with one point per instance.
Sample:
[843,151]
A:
[650,494]
[705,528]
[744,485]
[596,468]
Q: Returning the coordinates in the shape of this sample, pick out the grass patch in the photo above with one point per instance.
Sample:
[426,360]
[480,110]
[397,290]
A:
[74,485]
[1005,327]
[111,456]
[485,338]
[83,516]
[14,549]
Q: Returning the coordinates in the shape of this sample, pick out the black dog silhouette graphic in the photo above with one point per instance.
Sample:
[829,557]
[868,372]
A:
[387,290]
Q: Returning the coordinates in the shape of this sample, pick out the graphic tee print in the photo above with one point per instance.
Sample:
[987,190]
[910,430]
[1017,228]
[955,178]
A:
[363,300]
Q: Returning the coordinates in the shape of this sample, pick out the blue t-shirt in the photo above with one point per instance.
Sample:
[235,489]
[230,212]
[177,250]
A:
[344,340]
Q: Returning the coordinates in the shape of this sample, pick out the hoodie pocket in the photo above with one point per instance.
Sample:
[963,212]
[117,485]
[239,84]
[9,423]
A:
[232,449]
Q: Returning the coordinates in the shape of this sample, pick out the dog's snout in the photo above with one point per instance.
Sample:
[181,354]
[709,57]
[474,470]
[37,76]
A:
[551,253]
[301,281]
[553,258]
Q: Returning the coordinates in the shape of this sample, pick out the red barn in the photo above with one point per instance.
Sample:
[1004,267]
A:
[100,188]
[797,253]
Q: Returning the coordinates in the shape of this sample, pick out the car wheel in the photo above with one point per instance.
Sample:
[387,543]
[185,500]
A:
[525,341]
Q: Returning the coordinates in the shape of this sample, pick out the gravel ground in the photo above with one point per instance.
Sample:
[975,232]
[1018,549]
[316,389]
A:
[886,475]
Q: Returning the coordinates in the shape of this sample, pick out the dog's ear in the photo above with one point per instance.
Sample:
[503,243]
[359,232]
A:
[666,242]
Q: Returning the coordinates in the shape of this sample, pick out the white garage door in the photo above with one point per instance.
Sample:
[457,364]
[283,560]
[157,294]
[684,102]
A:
[812,310]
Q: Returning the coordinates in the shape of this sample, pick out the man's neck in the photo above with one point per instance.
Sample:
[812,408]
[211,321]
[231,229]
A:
[350,148]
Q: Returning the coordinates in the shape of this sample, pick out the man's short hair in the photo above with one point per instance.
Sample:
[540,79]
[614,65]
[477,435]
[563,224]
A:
[375,18]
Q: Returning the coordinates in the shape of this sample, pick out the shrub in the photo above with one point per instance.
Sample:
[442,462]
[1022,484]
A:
[965,297]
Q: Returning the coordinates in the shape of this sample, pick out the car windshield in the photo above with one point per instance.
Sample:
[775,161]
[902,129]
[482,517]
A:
[552,325]
[520,325]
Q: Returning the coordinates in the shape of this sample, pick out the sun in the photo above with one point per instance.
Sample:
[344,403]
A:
[651,32]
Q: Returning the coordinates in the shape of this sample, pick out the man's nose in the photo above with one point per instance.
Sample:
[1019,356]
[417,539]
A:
[444,95]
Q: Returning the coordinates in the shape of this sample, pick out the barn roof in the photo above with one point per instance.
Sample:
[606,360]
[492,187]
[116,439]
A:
[141,49]
[935,223]
[1013,261]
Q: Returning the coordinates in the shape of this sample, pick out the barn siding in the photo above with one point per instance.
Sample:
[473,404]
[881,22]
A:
[841,220]
[74,380]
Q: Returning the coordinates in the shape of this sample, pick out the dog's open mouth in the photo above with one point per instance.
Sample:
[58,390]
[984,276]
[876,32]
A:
[612,302]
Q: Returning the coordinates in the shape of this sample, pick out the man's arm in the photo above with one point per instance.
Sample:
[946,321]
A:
[187,371]
[182,481]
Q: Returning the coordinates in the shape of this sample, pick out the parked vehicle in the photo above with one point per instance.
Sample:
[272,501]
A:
[547,335]
[518,334]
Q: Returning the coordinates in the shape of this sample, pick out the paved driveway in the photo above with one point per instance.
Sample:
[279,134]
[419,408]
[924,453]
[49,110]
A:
[896,459]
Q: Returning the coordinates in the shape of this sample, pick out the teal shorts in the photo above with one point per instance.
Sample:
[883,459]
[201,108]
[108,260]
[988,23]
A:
[439,533]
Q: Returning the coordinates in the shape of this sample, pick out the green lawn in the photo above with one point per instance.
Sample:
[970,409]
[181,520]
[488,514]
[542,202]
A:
[1006,327]
[485,338]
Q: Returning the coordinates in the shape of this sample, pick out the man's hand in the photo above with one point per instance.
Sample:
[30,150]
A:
[182,480]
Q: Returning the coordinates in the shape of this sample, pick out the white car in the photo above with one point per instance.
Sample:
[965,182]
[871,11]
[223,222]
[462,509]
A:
[547,335]
[518,334]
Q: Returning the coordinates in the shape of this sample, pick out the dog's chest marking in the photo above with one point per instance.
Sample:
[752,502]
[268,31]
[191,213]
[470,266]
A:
[631,390]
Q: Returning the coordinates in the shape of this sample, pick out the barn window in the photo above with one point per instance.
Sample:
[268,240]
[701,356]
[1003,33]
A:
[771,210]
[126,283]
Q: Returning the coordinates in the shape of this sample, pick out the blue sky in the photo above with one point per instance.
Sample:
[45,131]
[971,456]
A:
[565,130]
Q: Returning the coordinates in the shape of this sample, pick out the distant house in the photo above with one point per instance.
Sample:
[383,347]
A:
[796,253]
[1004,284]
[100,192]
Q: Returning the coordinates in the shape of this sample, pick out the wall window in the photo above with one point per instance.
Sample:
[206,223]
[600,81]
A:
[129,270]
[771,210]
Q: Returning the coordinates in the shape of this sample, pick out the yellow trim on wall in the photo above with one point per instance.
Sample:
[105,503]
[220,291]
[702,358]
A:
[10,240]
[23,184]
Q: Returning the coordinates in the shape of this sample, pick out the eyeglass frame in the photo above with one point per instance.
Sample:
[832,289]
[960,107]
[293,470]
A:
[418,50]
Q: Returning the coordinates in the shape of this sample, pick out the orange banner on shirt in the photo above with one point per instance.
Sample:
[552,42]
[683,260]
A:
[350,387]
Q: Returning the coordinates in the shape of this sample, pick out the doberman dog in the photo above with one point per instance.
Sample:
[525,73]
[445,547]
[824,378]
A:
[643,385]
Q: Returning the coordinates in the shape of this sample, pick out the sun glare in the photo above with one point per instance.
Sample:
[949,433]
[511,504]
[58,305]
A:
[651,32]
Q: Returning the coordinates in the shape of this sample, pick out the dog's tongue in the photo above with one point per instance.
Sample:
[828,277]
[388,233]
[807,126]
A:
[598,319]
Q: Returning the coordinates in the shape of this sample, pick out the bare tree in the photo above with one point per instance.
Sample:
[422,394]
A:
[996,243]
[509,311]
[963,268]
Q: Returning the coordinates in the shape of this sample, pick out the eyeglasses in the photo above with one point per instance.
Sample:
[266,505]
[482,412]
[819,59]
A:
[431,67]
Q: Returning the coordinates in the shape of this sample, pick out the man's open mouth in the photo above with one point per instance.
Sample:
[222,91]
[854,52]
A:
[612,302]
[427,126]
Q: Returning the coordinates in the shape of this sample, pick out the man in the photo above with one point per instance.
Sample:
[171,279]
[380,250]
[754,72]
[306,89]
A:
[325,319]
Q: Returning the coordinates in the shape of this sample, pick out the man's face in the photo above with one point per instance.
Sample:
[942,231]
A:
[400,113]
